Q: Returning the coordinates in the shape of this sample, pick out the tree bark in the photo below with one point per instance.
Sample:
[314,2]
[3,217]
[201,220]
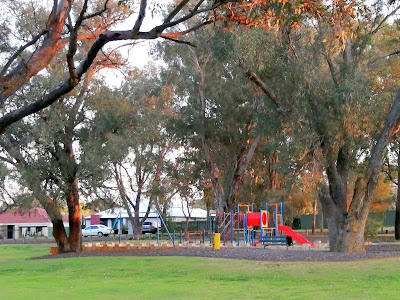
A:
[59,232]
[70,170]
[39,58]
[60,236]
[314,224]
[241,165]
[74,215]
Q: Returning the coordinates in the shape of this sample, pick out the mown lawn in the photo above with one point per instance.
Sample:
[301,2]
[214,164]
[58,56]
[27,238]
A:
[189,278]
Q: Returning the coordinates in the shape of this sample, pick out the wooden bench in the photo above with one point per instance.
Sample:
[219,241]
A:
[273,240]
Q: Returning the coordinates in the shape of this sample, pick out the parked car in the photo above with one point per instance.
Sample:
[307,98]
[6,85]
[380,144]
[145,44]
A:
[150,227]
[98,230]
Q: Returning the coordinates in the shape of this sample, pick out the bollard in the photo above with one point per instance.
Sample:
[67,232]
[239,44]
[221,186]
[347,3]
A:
[217,241]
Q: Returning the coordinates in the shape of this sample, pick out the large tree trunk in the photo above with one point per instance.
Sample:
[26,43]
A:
[350,235]
[346,233]
[314,223]
[60,236]
[137,226]
[74,215]
[346,223]
[69,169]
[64,242]
[241,166]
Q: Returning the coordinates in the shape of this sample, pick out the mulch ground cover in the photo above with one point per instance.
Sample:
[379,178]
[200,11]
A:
[374,251]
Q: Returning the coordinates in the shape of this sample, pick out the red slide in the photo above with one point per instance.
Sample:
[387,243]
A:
[295,236]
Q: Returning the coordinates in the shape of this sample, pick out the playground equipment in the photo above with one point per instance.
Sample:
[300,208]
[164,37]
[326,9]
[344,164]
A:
[117,224]
[244,225]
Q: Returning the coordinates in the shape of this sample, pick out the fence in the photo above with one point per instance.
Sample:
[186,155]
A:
[387,218]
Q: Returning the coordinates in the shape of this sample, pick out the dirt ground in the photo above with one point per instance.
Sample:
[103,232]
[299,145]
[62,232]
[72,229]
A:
[379,249]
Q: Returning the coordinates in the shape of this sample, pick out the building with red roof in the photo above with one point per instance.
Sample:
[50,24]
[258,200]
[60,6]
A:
[27,223]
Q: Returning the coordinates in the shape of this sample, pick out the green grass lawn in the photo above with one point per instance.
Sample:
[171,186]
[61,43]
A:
[189,278]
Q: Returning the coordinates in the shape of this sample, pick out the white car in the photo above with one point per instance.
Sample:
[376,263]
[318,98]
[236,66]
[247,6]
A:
[98,230]
[151,227]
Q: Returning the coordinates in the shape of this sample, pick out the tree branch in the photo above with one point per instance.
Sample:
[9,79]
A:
[53,42]
[373,31]
[140,18]
[96,14]
[20,50]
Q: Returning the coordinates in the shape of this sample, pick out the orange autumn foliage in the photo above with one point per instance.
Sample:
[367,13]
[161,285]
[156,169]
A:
[271,14]
[383,196]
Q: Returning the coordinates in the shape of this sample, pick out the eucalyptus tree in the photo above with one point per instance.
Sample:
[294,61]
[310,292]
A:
[44,152]
[336,103]
[55,26]
[131,128]
[63,24]
[392,171]
[219,110]
[48,151]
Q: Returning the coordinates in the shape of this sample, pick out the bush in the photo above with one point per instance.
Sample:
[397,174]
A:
[372,226]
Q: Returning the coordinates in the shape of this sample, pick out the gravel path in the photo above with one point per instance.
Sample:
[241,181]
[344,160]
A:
[376,251]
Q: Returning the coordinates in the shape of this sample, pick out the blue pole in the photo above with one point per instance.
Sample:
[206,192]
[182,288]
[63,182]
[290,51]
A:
[238,228]
[281,213]
[261,229]
[158,234]
[159,217]
[245,240]
[231,226]
[266,208]
[276,219]
[120,227]
[210,228]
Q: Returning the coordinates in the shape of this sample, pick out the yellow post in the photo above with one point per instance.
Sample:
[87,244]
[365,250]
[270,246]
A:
[217,241]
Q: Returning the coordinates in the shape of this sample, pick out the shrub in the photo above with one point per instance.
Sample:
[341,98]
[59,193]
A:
[372,226]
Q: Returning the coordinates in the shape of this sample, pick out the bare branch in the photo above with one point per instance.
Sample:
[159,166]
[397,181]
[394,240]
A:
[53,42]
[190,15]
[392,13]
[98,13]
[7,160]
[330,65]
[20,50]
[174,35]
[389,172]
[263,86]
[375,59]
[140,18]
[41,57]
[180,42]
[175,11]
